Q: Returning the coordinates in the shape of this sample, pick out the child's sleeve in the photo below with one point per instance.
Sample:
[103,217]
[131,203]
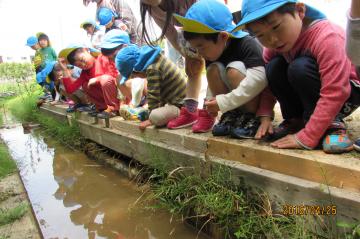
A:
[53,54]
[71,85]
[153,93]
[253,84]
[334,69]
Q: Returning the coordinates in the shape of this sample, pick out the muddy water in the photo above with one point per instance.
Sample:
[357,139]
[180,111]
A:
[73,197]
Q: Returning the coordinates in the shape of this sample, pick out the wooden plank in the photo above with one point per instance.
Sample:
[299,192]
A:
[336,170]
[182,138]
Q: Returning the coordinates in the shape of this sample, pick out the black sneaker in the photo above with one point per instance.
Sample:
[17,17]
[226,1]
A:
[246,126]
[93,113]
[226,123]
[107,114]
[86,108]
[288,126]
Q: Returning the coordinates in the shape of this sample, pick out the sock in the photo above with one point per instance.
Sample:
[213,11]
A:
[191,105]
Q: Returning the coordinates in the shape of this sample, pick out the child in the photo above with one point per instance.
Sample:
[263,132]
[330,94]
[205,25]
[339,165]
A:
[47,52]
[308,73]
[166,83]
[46,82]
[33,43]
[115,40]
[97,79]
[235,69]
[109,19]
[94,32]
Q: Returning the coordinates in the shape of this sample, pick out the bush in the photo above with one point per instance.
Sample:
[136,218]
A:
[16,71]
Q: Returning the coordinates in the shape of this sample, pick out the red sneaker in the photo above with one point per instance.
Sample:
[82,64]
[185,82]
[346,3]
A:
[205,122]
[185,119]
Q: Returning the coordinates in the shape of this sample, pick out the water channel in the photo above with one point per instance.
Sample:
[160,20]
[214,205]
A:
[74,197]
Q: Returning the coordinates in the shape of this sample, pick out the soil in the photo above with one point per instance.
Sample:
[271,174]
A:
[12,193]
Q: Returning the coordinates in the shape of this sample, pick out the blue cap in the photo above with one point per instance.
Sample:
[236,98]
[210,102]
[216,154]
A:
[255,9]
[64,53]
[31,41]
[209,16]
[125,61]
[134,58]
[105,15]
[115,38]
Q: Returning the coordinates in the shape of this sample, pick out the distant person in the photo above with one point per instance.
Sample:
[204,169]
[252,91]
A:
[97,79]
[166,83]
[93,31]
[108,19]
[47,52]
[353,42]
[33,43]
[123,12]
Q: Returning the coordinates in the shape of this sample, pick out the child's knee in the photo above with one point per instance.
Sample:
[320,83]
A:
[161,116]
[107,80]
[300,67]
[235,71]
[215,69]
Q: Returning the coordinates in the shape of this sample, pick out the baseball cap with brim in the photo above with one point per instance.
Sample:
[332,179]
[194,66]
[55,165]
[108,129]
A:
[253,10]
[209,16]
[125,61]
[31,41]
[105,15]
[64,53]
[115,38]
[89,22]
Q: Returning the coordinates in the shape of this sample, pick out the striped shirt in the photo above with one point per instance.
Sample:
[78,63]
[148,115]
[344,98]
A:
[166,83]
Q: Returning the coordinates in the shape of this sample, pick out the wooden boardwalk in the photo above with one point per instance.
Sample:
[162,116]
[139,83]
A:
[289,176]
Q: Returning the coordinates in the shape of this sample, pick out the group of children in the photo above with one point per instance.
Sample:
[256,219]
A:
[281,50]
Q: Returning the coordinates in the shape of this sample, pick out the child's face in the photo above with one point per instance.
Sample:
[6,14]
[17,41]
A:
[208,49]
[83,59]
[43,43]
[90,29]
[279,31]
[110,24]
[35,47]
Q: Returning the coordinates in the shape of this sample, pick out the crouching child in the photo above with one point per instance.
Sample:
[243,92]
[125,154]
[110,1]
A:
[166,83]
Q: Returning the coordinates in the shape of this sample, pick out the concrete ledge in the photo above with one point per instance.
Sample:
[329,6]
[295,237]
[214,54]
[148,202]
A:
[289,176]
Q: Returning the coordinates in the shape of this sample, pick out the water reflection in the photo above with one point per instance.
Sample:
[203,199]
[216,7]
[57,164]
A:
[73,197]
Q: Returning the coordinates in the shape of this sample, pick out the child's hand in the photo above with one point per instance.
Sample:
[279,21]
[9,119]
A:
[92,81]
[287,142]
[265,127]
[212,106]
[143,125]
[62,64]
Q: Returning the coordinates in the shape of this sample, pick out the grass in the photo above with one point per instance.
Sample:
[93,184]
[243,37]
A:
[236,211]
[7,165]
[24,109]
[13,214]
